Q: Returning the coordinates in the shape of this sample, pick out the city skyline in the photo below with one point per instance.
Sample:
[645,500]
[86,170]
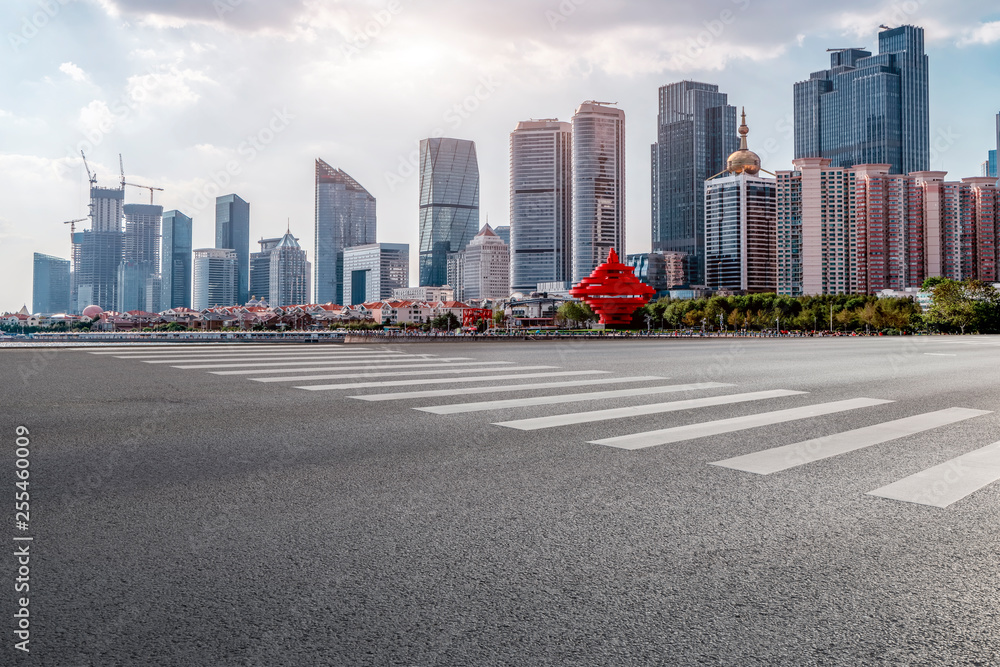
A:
[188,138]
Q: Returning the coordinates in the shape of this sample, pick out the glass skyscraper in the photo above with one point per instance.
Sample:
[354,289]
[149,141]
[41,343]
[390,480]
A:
[541,204]
[345,217]
[598,186]
[373,271]
[696,131]
[175,261]
[140,255]
[289,273]
[449,204]
[215,271]
[97,252]
[868,109]
[232,230]
[50,285]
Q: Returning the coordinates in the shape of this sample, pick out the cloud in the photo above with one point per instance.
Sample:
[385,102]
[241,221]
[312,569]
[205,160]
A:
[985,33]
[74,72]
[96,119]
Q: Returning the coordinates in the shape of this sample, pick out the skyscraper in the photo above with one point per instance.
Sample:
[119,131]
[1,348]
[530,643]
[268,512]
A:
[373,271]
[598,185]
[260,269]
[232,230]
[289,279]
[345,217]
[175,256]
[140,255]
[449,204]
[868,109]
[696,131]
[483,268]
[97,252]
[541,203]
[740,225]
[215,271]
[50,285]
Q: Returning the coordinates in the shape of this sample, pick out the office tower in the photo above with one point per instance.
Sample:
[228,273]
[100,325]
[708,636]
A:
[50,285]
[660,269]
[541,203]
[140,255]
[289,277]
[215,277]
[696,132]
[598,186]
[374,271]
[175,261]
[97,252]
[449,204]
[260,269]
[868,109]
[345,217]
[503,231]
[740,220]
[482,270]
[154,293]
[232,231]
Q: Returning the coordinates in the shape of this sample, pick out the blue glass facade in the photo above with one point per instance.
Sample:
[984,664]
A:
[449,204]
[868,109]
[345,217]
[175,257]
[232,230]
[50,285]
[696,132]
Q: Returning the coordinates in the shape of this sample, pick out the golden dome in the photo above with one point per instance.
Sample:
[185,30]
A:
[744,160]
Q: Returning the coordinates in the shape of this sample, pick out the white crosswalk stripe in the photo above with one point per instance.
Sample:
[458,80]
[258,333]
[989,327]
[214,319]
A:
[367,371]
[536,423]
[405,383]
[463,391]
[789,456]
[342,366]
[198,347]
[279,357]
[273,364]
[718,427]
[456,408]
[180,354]
[948,482]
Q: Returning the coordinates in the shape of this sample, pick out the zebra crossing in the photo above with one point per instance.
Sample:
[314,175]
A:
[381,376]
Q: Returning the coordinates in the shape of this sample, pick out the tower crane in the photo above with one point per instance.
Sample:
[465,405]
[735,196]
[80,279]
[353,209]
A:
[91,176]
[147,187]
[72,227]
[121,166]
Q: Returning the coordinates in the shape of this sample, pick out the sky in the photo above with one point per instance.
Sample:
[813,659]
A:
[209,97]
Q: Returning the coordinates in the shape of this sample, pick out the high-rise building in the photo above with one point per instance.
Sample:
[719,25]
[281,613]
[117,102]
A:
[740,221]
[260,269]
[345,217]
[374,271]
[140,255]
[598,185]
[503,231]
[175,264]
[97,252]
[482,270]
[541,203]
[863,229]
[868,109]
[290,271]
[989,167]
[232,231]
[449,204]
[50,285]
[696,131]
[215,272]
[660,269]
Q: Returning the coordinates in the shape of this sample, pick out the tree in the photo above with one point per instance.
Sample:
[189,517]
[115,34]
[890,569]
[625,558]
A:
[951,305]
[447,321]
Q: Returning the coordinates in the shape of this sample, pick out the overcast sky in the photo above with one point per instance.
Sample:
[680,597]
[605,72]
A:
[208,97]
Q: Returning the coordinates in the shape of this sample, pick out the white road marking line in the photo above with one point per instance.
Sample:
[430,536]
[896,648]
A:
[393,370]
[550,421]
[691,431]
[291,357]
[436,393]
[949,482]
[278,364]
[404,383]
[202,348]
[456,408]
[789,456]
[238,353]
[938,354]
[340,366]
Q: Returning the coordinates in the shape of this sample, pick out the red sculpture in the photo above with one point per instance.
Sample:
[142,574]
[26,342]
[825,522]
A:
[613,292]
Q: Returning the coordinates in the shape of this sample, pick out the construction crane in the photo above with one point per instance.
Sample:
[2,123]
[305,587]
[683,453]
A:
[121,166]
[885,27]
[72,227]
[91,176]
[849,48]
[147,187]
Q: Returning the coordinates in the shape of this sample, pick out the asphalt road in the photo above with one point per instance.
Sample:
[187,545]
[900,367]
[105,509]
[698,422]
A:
[183,517]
